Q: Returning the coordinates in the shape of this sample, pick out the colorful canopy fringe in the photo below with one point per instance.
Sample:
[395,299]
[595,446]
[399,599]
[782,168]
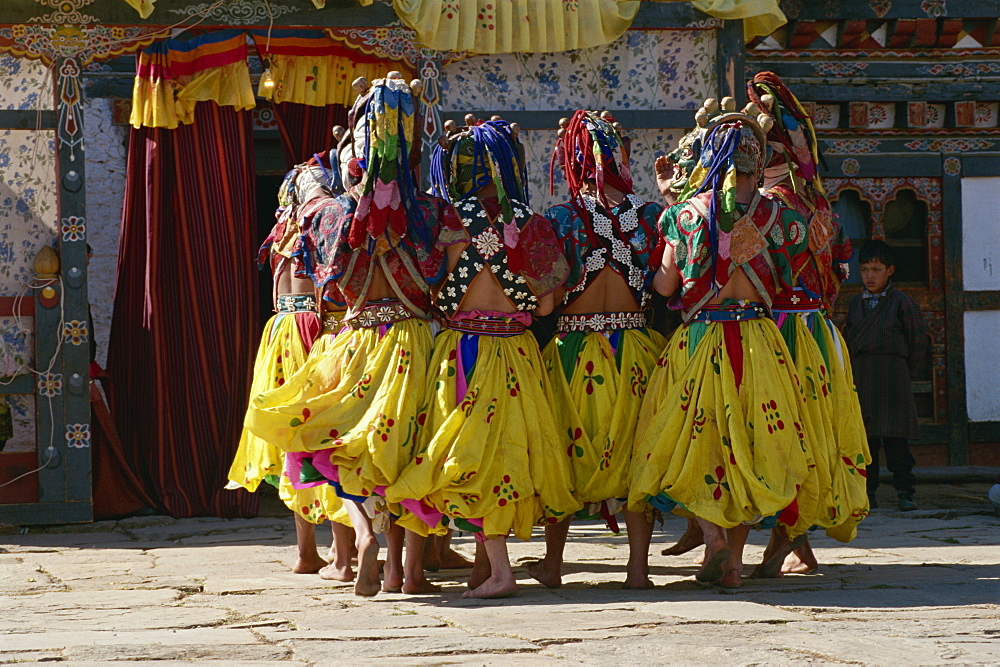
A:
[174,75]
[307,67]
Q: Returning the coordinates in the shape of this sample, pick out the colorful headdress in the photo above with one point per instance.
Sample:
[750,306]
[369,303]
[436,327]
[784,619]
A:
[479,154]
[591,147]
[378,150]
[792,136]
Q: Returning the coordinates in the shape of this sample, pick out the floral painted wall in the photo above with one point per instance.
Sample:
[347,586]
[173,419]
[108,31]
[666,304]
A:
[28,220]
[644,69]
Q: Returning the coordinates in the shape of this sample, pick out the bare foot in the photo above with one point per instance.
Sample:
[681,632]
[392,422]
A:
[712,569]
[367,583]
[480,573]
[800,561]
[392,579]
[641,584]
[309,565]
[419,586]
[691,539]
[493,588]
[731,579]
[545,574]
[333,572]
[452,560]
[774,556]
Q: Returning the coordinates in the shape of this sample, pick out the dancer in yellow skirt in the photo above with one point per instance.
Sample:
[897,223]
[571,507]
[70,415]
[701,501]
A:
[720,429]
[603,353]
[288,337]
[837,438]
[488,457]
[375,251]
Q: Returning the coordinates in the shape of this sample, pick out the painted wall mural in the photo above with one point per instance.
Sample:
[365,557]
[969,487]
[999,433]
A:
[26,84]
[644,69]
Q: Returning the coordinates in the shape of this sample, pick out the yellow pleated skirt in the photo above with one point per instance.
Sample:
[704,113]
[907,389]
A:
[846,458]
[597,391]
[727,454]
[355,406]
[488,453]
[282,352]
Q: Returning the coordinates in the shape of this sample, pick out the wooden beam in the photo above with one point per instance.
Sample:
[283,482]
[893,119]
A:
[982,300]
[37,514]
[932,434]
[549,120]
[981,165]
[22,384]
[954,321]
[846,90]
[881,165]
[984,431]
[11,119]
[854,9]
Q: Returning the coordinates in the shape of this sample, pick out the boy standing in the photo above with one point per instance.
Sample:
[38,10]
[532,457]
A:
[887,338]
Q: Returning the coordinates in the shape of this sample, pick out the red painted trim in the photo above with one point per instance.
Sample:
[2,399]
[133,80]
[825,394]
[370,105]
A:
[26,309]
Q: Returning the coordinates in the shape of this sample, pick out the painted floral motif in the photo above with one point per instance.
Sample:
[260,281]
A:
[850,167]
[50,384]
[952,166]
[591,378]
[574,436]
[934,8]
[74,228]
[950,145]
[505,491]
[772,416]
[881,7]
[672,69]
[852,146]
[75,332]
[716,481]
[78,435]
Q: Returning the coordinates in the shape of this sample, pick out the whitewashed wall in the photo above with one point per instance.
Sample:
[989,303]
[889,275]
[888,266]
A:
[107,153]
[980,233]
[981,271]
[982,359]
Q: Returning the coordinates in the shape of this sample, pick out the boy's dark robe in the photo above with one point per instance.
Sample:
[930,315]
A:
[886,345]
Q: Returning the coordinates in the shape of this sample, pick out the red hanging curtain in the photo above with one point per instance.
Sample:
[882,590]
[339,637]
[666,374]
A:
[182,337]
[306,129]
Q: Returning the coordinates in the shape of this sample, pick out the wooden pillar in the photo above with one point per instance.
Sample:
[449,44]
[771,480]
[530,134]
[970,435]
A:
[954,300]
[730,62]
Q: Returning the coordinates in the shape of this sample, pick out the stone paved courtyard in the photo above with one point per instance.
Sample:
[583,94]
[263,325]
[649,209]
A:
[921,587]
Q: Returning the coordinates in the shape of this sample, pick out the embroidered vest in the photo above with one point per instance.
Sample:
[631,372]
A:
[620,239]
[490,240]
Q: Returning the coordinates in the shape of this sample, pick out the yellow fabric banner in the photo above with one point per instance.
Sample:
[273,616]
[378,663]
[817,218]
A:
[163,102]
[506,26]
[760,17]
[318,80]
[144,7]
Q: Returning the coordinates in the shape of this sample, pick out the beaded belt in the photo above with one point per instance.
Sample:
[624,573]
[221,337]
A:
[795,302]
[296,303]
[487,326]
[597,322]
[378,314]
[333,322]
[752,311]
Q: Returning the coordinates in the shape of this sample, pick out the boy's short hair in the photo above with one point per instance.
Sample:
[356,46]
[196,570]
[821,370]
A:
[877,250]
